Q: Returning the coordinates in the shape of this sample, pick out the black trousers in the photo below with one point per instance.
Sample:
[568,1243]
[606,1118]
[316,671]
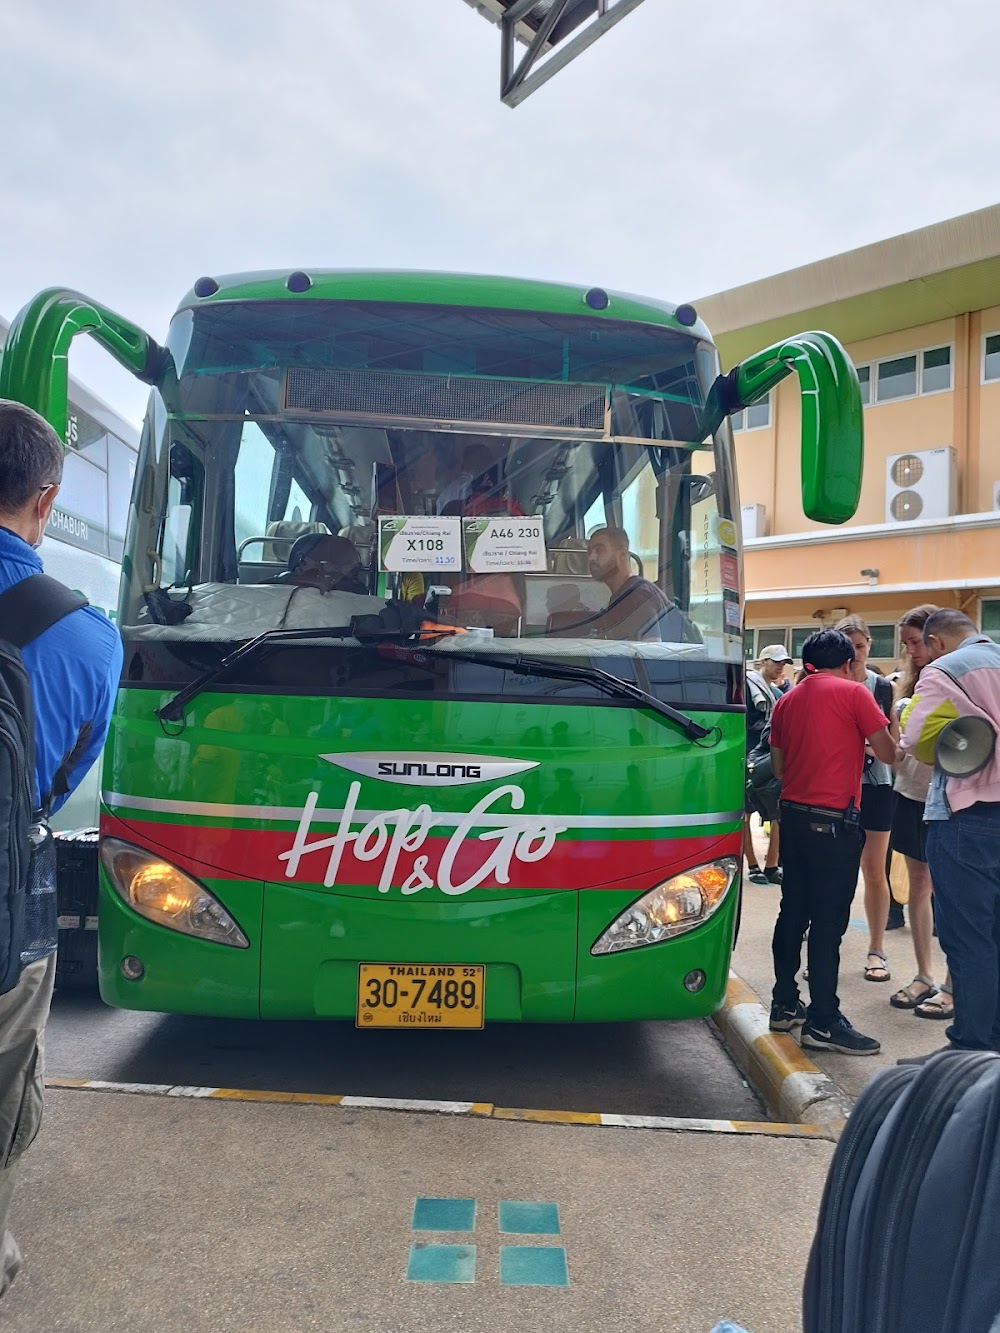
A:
[821,861]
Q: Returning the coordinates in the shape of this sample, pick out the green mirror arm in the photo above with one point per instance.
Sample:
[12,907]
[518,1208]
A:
[832,416]
[34,365]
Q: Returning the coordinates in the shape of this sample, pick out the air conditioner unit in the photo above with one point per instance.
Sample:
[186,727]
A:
[754,521]
[922,484]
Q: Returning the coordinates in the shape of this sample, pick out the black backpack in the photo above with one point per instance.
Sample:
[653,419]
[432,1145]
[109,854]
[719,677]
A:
[26,610]
[917,1159]
[763,789]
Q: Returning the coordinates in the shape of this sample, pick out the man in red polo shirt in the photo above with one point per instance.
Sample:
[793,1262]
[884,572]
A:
[819,731]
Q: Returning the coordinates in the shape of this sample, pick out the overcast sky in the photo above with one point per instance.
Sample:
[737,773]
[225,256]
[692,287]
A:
[698,145]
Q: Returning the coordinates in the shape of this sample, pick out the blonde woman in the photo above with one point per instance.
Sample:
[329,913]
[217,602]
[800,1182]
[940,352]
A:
[909,837]
[876,804]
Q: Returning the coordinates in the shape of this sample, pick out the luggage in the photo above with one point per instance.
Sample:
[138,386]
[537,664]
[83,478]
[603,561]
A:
[908,1225]
[77,880]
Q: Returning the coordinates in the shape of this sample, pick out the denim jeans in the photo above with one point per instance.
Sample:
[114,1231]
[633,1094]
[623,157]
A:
[964,857]
[821,862]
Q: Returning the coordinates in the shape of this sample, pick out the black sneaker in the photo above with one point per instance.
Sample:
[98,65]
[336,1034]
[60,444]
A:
[839,1036]
[756,875]
[784,1017]
[773,874]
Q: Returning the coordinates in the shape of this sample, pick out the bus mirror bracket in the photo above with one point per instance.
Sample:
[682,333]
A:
[832,415]
[34,366]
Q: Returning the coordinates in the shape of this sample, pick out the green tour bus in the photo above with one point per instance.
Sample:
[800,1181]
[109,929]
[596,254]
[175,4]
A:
[432,705]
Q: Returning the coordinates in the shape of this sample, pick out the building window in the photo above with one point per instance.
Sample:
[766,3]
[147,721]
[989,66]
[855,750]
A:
[897,378]
[991,619]
[991,356]
[928,371]
[883,641]
[757,417]
[935,370]
[799,636]
[794,637]
[766,637]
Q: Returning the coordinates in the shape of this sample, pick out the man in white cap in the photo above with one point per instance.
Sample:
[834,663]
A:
[771,667]
[764,688]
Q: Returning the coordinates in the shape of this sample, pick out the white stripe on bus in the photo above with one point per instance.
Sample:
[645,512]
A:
[445,819]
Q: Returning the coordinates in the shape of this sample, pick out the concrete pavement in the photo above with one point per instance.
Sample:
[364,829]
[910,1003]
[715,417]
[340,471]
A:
[865,1003]
[665,1069]
[155,1214]
[162,1213]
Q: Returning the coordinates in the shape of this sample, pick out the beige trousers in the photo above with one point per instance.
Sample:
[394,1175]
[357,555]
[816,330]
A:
[23,1015]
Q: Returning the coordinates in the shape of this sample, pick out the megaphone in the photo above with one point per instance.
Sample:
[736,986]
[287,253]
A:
[965,746]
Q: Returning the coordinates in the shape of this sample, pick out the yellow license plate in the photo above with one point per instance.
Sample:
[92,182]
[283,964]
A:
[420,995]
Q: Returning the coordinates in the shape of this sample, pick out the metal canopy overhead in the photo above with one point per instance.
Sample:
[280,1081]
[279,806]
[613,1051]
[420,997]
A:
[556,29]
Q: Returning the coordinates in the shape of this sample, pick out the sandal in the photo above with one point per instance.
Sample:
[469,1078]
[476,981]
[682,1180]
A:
[877,971]
[907,998]
[941,1006]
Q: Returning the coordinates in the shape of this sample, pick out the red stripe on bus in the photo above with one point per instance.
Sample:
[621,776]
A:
[254,854]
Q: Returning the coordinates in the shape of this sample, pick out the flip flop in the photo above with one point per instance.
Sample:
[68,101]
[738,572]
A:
[906,999]
[872,968]
[940,1007]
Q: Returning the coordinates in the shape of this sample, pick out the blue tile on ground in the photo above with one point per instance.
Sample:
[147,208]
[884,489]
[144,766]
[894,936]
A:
[444,1215]
[441,1263]
[533,1266]
[529,1219]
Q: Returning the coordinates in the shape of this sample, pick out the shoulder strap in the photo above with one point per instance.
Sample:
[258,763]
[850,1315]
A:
[34,605]
[883,695]
[958,684]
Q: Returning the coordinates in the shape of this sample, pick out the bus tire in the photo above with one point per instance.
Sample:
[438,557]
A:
[76,962]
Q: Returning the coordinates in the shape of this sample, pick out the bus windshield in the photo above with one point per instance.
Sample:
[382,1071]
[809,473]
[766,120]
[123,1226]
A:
[517,476]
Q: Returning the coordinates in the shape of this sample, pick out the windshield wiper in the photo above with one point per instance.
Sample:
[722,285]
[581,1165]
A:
[396,620]
[611,685]
[173,709]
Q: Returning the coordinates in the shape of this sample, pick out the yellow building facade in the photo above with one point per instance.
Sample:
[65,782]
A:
[920,316]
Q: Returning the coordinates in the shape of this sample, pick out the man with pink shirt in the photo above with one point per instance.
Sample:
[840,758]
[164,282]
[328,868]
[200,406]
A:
[963,819]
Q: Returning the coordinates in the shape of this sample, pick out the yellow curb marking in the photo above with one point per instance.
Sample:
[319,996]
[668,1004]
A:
[548,1117]
[738,992]
[782,1130]
[483,1110]
[782,1056]
[251,1095]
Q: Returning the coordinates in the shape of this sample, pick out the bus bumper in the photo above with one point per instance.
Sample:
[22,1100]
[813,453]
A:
[306,947]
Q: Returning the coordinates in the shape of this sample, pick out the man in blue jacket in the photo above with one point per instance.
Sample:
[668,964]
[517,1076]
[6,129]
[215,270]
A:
[74,667]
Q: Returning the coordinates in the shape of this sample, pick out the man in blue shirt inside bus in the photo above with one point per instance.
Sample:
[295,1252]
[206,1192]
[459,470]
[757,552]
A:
[74,667]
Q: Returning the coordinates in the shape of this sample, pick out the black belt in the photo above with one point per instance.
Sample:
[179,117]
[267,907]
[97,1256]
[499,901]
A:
[822,811]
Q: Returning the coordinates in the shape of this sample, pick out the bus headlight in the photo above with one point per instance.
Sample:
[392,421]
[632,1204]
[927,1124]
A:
[672,908]
[162,893]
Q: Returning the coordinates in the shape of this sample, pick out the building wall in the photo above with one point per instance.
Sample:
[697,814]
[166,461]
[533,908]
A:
[985,418]
[954,563]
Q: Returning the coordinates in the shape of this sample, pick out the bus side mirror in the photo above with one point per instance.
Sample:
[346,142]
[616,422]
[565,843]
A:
[832,416]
